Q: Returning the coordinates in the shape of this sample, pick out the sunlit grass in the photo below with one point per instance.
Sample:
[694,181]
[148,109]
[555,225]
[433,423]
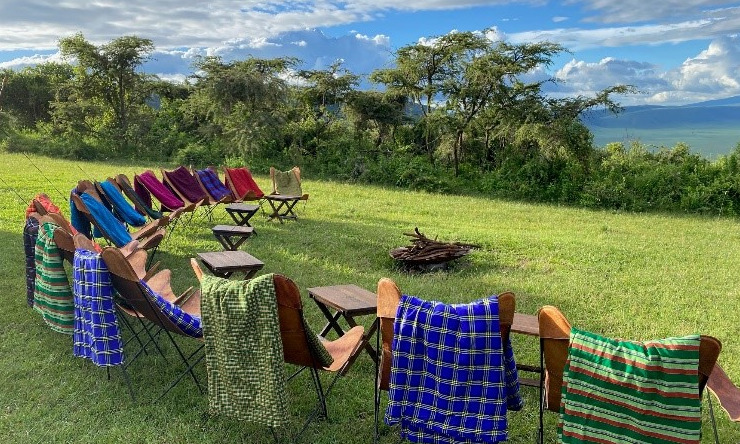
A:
[626,275]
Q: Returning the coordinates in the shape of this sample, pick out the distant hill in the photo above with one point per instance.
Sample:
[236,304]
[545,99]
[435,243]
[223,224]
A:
[711,128]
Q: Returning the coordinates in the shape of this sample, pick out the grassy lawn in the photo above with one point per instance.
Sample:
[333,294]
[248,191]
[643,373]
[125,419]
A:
[624,275]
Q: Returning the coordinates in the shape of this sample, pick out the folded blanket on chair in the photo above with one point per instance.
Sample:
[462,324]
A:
[243,182]
[96,334]
[213,185]
[244,351]
[630,392]
[52,297]
[30,233]
[45,202]
[189,324]
[122,208]
[150,184]
[108,223]
[452,380]
[186,184]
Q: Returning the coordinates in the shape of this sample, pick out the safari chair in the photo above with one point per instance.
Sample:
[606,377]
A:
[142,206]
[172,318]
[212,185]
[389,296]
[727,393]
[286,193]
[148,237]
[186,187]
[303,348]
[555,333]
[242,184]
[126,213]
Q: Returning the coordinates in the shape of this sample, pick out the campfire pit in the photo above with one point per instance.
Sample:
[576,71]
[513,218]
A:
[426,254]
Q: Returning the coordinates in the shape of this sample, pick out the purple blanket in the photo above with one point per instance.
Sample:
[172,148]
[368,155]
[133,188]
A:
[150,184]
[186,184]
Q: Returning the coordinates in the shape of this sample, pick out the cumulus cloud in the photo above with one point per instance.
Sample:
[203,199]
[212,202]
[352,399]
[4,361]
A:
[713,73]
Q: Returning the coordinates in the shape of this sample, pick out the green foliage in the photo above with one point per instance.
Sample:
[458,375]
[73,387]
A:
[199,155]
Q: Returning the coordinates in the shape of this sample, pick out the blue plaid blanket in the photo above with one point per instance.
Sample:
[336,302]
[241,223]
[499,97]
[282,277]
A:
[213,185]
[96,334]
[452,379]
[189,324]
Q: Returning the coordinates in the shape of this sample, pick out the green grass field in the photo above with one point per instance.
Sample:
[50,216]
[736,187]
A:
[625,275]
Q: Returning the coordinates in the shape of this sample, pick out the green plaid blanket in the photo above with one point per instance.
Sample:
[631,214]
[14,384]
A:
[244,352]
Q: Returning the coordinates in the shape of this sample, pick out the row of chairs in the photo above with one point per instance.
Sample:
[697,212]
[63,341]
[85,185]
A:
[554,330]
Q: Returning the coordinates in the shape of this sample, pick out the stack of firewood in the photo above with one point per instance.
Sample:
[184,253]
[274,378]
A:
[429,251]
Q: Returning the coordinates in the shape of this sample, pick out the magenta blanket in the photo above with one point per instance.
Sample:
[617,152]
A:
[186,184]
[152,185]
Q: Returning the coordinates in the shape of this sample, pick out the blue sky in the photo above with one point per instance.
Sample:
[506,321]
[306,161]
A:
[674,51]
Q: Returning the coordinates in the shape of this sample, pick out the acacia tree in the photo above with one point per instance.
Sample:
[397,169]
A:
[419,72]
[244,100]
[108,91]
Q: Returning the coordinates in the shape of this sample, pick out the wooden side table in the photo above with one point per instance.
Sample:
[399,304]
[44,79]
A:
[232,236]
[225,263]
[282,206]
[347,301]
[241,212]
[527,324]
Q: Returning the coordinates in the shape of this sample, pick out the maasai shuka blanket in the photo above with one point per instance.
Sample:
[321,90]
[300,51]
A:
[30,233]
[188,323]
[630,392]
[121,207]
[244,351]
[96,333]
[45,202]
[113,227]
[186,184]
[213,185]
[452,380]
[139,202]
[146,183]
[53,296]
[243,182]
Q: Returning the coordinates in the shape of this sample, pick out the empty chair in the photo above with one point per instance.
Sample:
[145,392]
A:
[147,184]
[303,348]
[605,390]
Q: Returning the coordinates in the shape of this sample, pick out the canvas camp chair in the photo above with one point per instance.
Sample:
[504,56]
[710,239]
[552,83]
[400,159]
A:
[286,193]
[122,209]
[554,344]
[142,206]
[210,183]
[389,296]
[148,237]
[176,318]
[242,185]
[727,393]
[183,183]
[305,349]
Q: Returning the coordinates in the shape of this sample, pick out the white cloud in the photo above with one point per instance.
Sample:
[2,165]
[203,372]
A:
[26,61]
[558,19]
[625,11]
[713,73]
